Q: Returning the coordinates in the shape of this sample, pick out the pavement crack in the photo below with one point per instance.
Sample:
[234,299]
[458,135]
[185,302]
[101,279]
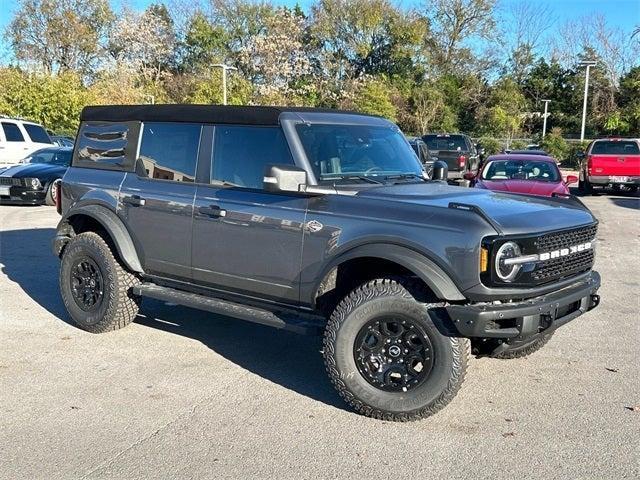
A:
[184,416]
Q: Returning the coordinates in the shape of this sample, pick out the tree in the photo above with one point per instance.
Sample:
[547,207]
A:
[145,41]
[503,114]
[59,36]
[204,44]
[629,100]
[453,22]
[370,95]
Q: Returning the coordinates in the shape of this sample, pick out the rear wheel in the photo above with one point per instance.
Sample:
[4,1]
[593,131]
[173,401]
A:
[385,355]
[584,186]
[95,288]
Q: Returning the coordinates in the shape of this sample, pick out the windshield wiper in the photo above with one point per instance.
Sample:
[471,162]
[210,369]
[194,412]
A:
[403,176]
[364,178]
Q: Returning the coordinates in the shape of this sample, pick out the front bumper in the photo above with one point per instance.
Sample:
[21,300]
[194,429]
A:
[614,180]
[520,321]
[20,195]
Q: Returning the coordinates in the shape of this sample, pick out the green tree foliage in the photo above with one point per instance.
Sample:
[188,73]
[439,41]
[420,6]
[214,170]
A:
[555,145]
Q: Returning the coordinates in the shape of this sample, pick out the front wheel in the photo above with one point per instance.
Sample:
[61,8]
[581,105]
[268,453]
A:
[52,192]
[387,358]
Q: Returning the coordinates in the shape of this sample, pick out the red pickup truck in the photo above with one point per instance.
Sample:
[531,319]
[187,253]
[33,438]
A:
[613,162]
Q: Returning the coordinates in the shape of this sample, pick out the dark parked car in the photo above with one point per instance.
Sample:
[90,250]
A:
[34,181]
[455,149]
[522,173]
[422,152]
[541,153]
[62,141]
[317,221]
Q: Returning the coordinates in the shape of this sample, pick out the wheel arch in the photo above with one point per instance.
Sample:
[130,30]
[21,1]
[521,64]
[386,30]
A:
[89,218]
[406,259]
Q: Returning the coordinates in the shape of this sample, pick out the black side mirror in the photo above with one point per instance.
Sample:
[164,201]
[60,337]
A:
[285,178]
[581,155]
[440,171]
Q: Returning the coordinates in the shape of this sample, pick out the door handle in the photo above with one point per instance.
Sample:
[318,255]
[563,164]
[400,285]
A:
[212,211]
[134,200]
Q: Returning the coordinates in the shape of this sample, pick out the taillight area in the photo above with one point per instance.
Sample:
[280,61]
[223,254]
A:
[462,160]
[58,187]
[589,164]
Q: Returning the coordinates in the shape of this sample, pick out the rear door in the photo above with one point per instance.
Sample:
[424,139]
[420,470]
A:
[620,158]
[156,201]
[14,146]
[246,240]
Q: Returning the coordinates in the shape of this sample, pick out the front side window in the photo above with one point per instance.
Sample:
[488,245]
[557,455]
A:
[11,132]
[169,151]
[357,151]
[242,153]
[37,133]
[521,170]
[615,148]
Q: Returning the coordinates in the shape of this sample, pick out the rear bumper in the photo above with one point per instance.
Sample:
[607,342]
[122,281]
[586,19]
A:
[614,180]
[526,319]
[20,195]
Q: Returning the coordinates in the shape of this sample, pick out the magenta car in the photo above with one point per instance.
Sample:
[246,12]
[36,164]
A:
[521,173]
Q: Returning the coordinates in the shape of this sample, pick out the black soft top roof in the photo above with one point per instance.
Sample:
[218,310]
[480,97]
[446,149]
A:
[230,114]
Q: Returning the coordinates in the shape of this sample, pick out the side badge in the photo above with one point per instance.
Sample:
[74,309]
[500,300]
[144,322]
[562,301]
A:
[314,226]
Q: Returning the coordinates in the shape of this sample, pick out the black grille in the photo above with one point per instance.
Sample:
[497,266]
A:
[565,266]
[556,241]
[571,264]
[10,181]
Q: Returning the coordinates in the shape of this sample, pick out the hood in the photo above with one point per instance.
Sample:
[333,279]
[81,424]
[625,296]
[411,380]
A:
[513,214]
[527,187]
[30,170]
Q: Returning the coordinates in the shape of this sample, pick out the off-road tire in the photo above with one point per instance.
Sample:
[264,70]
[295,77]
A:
[585,187]
[48,199]
[524,350]
[389,296]
[119,306]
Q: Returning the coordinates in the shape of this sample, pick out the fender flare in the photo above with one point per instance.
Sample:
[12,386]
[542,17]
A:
[423,267]
[111,223]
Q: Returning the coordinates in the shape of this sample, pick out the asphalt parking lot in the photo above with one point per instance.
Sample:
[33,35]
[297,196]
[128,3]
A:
[185,394]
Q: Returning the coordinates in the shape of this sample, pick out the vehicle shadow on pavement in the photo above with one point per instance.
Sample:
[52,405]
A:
[288,359]
[285,358]
[626,202]
[27,259]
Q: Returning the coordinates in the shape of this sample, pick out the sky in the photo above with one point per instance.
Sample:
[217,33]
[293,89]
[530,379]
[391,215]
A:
[622,13]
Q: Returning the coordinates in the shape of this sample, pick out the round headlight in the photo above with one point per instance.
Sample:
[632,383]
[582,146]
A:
[505,272]
[35,183]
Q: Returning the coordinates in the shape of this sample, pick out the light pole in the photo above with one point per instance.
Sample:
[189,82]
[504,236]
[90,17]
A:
[588,64]
[544,122]
[224,79]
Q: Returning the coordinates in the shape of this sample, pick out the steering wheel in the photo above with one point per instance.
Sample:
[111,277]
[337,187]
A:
[373,169]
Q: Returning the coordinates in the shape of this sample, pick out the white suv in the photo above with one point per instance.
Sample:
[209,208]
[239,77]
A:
[20,138]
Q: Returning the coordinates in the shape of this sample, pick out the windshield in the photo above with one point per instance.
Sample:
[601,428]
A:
[445,142]
[521,170]
[351,151]
[51,157]
[615,148]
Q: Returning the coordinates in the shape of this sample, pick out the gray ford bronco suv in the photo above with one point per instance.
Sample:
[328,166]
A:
[317,221]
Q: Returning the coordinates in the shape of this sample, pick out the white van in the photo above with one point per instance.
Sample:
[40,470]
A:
[20,138]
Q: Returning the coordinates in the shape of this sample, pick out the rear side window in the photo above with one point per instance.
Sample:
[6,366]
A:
[11,132]
[169,151]
[107,145]
[37,133]
[241,154]
[619,147]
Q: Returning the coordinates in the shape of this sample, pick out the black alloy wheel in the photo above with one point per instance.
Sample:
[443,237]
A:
[393,354]
[87,284]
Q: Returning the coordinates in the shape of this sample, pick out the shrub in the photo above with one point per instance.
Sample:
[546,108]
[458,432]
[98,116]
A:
[491,145]
[555,145]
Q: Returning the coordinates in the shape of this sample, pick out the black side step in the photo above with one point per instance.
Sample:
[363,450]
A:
[294,321]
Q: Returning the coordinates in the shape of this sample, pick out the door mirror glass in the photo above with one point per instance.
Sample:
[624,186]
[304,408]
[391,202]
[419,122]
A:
[285,178]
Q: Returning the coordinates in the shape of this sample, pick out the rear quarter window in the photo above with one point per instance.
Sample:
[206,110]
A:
[619,147]
[107,146]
